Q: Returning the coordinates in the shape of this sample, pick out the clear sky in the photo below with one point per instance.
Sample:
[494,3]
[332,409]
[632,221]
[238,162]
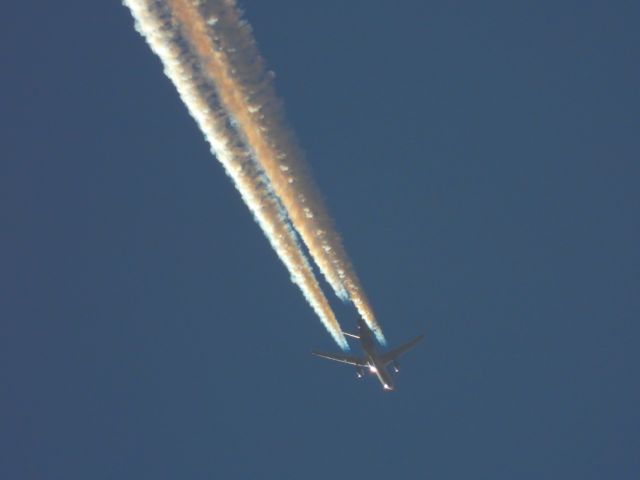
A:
[480,160]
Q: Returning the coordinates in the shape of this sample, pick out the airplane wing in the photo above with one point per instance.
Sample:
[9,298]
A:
[396,352]
[359,362]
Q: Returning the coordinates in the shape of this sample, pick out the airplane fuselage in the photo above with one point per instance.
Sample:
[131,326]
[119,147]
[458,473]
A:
[376,365]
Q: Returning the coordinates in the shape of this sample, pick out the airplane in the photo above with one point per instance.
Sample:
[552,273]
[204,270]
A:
[376,362]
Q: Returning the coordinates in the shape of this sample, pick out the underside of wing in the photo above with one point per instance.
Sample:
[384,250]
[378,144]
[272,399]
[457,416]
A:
[396,352]
[359,362]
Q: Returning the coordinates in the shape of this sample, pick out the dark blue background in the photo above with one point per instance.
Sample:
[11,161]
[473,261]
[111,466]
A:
[481,162]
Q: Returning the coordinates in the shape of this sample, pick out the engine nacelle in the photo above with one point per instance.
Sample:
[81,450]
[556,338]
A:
[396,366]
[359,372]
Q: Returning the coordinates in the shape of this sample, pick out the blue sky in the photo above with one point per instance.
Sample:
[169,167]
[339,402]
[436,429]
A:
[481,164]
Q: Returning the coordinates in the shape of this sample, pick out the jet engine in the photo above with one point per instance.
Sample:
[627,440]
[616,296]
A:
[359,372]
[396,366]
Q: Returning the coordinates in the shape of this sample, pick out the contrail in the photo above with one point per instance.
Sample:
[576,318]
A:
[221,45]
[229,57]
[183,64]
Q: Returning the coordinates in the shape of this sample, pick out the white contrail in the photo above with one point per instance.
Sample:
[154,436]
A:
[183,64]
[228,56]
